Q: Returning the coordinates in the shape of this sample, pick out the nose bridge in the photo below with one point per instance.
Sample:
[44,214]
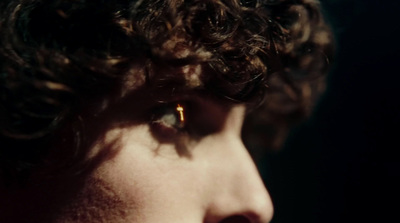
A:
[240,190]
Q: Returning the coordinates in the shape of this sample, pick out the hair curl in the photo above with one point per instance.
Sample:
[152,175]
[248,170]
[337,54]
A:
[58,57]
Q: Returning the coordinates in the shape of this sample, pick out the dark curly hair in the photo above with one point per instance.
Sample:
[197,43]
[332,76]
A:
[60,57]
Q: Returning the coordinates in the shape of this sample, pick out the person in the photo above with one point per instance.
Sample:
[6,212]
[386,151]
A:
[132,110]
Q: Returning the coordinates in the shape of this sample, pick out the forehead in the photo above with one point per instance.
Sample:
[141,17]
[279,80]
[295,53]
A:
[166,80]
[160,77]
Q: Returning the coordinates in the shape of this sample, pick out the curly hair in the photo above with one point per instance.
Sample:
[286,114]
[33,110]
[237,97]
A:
[59,57]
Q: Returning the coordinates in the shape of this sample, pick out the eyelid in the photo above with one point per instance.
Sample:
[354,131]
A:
[169,120]
[200,117]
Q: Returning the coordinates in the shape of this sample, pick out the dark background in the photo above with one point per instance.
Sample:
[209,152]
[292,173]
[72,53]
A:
[343,163]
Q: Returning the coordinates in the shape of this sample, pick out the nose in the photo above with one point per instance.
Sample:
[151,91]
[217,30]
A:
[239,194]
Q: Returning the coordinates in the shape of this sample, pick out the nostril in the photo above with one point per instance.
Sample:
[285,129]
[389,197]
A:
[236,219]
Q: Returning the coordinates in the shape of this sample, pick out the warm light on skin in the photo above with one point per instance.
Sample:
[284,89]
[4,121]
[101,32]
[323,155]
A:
[188,179]
[154,182]
[179,108]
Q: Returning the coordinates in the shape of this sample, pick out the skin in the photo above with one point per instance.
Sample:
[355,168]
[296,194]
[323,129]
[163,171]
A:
[121,154]
[155,169]
[214,180]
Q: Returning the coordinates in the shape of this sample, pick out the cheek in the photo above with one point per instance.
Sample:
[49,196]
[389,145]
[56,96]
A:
[127,172]
[149,178]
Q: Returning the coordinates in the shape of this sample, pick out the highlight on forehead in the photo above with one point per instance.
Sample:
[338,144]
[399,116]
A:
[192,75]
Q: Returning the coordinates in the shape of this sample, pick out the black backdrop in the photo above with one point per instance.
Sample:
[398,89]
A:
[342,164]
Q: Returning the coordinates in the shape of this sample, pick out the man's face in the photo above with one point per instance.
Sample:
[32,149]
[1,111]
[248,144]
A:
[157,156]
[186,164]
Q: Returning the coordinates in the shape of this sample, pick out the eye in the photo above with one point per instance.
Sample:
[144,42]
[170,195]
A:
[169,120]
[193,118]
